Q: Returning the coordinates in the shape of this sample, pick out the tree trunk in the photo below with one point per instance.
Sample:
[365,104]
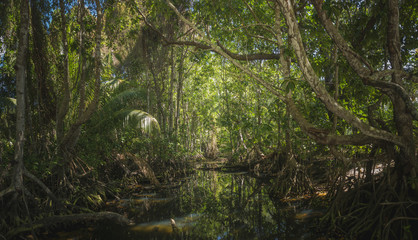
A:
[82,75]
[64,102]
[171,93]
[310,76]
[82,62]
[179,94]
[285,72]
[405,162]
[336,82]
[21,67]
[70,138]
[46,100]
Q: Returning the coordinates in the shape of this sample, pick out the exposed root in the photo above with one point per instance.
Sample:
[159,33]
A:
[12,189]
[6,191]
[292,180]
[139,164]
[374,211]
[43,186]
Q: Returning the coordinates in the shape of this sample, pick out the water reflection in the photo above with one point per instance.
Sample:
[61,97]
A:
[211,205]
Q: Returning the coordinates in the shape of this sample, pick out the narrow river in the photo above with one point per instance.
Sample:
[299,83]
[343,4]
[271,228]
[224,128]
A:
[208,205]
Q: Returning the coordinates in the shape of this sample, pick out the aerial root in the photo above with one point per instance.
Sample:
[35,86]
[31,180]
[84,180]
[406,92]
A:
[381,213]
[292,180]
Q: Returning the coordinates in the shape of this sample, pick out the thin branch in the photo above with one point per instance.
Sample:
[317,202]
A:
[358,63]
[42,185]
[6,191]
[252,11]
[400,218]
[188,43]
[362,67]
[239,57]
[221,52]
[263,38]
[309,73]
[399,90]
[264,26]
[323,136]
[249,57]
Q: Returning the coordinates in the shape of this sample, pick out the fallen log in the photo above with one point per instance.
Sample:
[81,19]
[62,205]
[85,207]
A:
[71,219]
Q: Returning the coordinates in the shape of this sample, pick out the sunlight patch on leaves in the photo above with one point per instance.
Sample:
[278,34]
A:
[143,120]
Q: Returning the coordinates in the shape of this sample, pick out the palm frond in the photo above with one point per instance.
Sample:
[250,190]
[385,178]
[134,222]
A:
[121,111]
[143,120]
[113,84]
[128,118]
[7,102]
[126,98]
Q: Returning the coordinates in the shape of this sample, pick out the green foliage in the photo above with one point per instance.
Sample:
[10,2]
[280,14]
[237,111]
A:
[7,102]
[143,120]
[168,102]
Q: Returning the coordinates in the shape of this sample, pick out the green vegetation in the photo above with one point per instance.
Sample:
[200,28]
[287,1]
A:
[97,96]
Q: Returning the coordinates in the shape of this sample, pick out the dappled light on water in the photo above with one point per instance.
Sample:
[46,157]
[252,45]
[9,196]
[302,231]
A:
[211,205]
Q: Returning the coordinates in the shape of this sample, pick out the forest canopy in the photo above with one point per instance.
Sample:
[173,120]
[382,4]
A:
[94,92]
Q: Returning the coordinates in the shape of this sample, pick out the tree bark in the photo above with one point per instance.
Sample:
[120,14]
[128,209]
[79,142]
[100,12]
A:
[319,135]
[171,93]
[285,63]
[82,62]
[64,102]
[406,161]
[403,110]
[179,90]
[21,70]
[71,137]
[295,40]
[45,98]
[369,75]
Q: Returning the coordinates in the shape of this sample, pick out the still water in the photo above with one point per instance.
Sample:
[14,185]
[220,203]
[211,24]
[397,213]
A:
[208,205]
